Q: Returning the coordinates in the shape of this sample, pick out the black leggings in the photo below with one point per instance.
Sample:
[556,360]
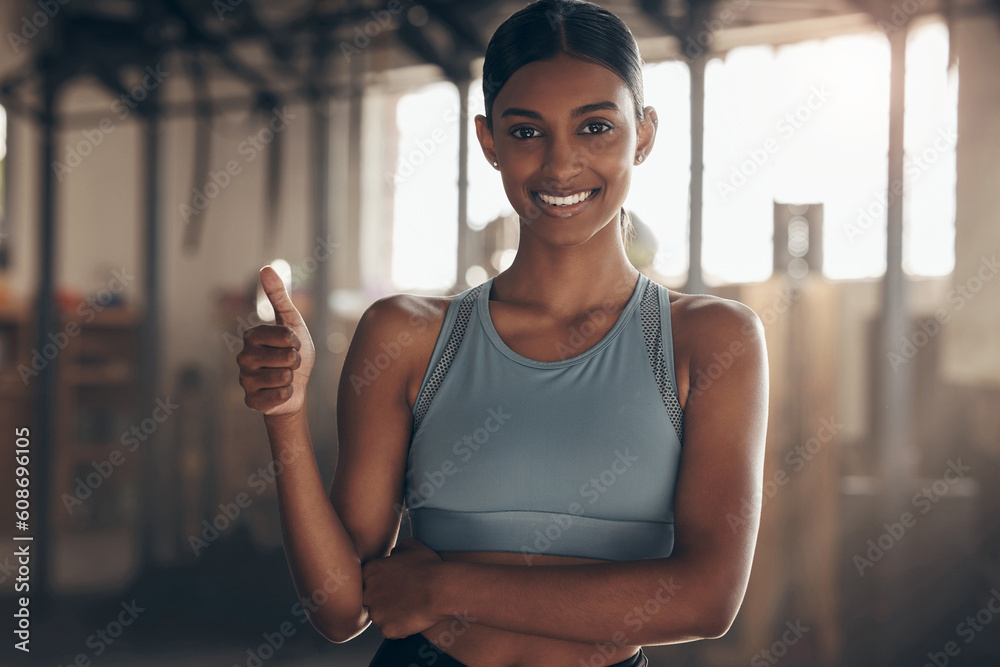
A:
[416,651]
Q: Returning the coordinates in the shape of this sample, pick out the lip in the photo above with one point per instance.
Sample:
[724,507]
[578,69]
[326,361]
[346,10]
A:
[564,211]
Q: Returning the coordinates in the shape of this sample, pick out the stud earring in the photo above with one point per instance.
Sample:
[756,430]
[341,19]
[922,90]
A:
[495,163]
[639,157]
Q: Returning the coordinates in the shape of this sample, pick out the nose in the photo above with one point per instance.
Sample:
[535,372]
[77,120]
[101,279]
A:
[564,159]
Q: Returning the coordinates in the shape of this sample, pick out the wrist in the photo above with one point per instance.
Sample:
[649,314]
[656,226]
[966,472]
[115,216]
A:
[443,579]
[290,418]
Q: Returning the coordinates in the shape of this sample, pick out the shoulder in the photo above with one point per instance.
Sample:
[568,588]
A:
[712,324]
[405,318]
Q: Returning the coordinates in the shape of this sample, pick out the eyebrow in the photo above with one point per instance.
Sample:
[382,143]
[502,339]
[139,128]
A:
[579,111]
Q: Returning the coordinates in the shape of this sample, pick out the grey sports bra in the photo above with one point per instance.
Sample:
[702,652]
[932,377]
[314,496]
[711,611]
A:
[575,457]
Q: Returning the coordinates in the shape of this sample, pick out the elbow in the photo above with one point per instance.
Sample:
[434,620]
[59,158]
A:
[716,625]
[716,619]
[339,630]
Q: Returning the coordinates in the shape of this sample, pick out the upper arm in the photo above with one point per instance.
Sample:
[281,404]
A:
[720,481]
[373,427]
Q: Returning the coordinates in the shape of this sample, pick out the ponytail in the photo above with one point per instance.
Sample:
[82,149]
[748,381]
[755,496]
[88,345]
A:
[628,229]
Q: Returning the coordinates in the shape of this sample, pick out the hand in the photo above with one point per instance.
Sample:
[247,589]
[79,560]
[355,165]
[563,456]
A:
[397,589]
[276,358]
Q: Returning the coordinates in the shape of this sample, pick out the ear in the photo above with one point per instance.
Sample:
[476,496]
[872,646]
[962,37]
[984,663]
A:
[485,139]
[646,132]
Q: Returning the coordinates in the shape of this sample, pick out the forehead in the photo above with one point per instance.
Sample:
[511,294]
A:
[556,86]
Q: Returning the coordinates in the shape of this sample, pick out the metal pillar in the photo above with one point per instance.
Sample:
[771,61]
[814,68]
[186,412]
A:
[464,236]
[48,322]
[892,405]
[149,334]
[894,402]
[696,67]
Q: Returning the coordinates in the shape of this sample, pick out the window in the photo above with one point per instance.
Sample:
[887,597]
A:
[812,126]
[425,238]
[661,185]
[931,132]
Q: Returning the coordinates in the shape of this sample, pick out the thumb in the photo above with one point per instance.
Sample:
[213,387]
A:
[284,310]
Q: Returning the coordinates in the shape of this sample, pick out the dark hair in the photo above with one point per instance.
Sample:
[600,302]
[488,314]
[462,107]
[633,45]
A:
[544,29]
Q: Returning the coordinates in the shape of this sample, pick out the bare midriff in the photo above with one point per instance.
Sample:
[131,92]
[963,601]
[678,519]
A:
[480,645]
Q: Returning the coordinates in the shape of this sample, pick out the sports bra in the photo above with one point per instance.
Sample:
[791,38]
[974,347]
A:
[574,457]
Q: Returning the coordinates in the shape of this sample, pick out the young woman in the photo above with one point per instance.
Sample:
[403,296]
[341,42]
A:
[579,449]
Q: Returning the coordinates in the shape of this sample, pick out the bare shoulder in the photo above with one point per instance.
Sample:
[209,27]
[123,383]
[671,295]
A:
[705,323]
[406,317]
[406,326]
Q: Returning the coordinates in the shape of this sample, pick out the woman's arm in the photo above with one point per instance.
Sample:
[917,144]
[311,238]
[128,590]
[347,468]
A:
[327,539]
[693,594]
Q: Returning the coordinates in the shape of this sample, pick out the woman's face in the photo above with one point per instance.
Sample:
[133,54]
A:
[566,138]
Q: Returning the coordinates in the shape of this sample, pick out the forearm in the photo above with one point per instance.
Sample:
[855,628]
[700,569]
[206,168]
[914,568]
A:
[322,557]
[645,602]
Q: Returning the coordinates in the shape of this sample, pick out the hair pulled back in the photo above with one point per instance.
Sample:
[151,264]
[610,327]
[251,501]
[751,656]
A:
[546,28]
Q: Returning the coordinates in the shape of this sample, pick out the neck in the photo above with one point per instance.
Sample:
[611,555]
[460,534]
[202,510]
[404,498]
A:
[567,280]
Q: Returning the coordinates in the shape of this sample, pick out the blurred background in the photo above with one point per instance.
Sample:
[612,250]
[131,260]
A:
[834,164]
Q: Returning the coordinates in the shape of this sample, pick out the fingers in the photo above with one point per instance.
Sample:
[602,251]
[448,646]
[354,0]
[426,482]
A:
[266,399]
[284,310]
[252,358]
[273,335]
[266,378]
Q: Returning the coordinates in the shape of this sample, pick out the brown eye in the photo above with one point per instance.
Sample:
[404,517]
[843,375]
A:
[601,128]
[519,133]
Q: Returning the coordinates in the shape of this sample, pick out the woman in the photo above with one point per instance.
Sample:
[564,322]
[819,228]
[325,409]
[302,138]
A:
[532,425]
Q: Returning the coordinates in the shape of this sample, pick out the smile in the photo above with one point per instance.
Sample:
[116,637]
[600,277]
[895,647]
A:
[566,201]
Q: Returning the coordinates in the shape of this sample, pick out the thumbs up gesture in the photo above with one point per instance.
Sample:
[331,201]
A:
[276,359]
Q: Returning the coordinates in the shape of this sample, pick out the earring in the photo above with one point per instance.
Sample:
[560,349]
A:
[495,163]
[639,157]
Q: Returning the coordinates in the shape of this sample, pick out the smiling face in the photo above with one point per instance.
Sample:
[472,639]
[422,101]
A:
[566,137]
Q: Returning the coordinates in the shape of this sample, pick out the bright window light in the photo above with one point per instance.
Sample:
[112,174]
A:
[425,235]
[812,126]
[487,199]
[931,132]
[659,193]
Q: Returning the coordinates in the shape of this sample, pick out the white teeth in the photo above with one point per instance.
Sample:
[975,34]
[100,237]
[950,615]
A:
[565,201]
